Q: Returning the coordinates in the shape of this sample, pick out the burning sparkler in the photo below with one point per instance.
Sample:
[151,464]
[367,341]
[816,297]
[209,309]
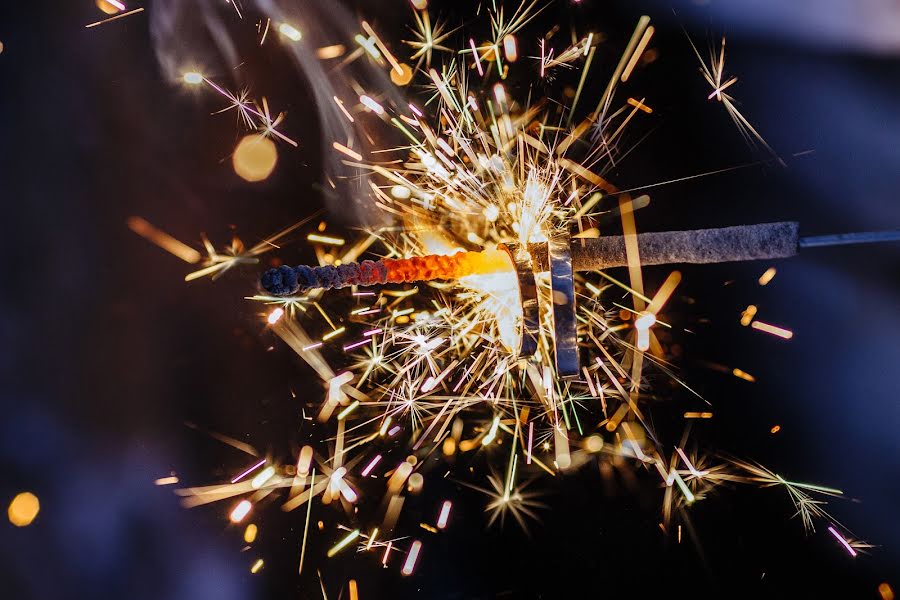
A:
[509,346]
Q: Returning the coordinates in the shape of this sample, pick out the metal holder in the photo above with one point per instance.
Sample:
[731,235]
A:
[528,299]
[562,286]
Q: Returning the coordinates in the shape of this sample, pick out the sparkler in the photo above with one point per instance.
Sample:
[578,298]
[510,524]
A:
[496,206]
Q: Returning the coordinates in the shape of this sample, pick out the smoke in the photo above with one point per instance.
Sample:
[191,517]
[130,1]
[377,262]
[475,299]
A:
[187,33]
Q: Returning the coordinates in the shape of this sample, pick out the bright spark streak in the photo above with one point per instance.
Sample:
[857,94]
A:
[445,514]
[248,471]
[115,18]
[492,432]
[772,329]
[343,543]
[371,465]
[843,541]
[768,276]
[290,32]
[371,105]
[240,511]
[411,558]
[325,239]
[262,477]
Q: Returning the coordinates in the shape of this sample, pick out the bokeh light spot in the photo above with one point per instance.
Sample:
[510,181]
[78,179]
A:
[255,158]
[23,509]
[403,76]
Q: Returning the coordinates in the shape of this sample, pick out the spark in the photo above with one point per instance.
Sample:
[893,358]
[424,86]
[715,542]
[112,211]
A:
[371,105]
[772,329]
[768,276]
[445,514]
[714,73]
[410,564]
[115,18]
[326,239]
[371,465]
[163,240]
[248,471]
[275,316]
[290,32]
[192,78]
[843,541]
[240,511]
[343,543]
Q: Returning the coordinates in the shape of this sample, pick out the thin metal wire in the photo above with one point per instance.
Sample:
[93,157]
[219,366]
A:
[842,239]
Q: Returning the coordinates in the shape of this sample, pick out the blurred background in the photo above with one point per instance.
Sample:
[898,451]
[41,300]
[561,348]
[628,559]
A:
[108,358]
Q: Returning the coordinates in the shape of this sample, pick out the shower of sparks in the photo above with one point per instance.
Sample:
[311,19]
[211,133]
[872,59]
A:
[414,372]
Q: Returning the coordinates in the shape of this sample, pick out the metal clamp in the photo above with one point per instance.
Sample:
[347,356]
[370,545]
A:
[528,299]
[562,295]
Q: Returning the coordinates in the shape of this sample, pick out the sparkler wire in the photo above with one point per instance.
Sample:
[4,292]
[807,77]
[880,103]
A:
[701,246]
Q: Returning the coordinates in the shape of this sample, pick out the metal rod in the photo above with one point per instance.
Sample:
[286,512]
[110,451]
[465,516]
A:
[843,239]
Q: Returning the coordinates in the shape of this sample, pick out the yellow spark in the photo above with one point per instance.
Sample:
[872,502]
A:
[387,53]
[372,538]
[304,460]
[110,7]
[257,566]
[768,276]
[773,329]
[354,592]
[743,375]
[325,239]
[345,150]
[775,429]
[698,415]
[328,52]
[419,4]
[343,414]
[290,32]
[334,333]
[163,240]
[642,45]
[343,543]
[640,105]
[250,533]
[748,314]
